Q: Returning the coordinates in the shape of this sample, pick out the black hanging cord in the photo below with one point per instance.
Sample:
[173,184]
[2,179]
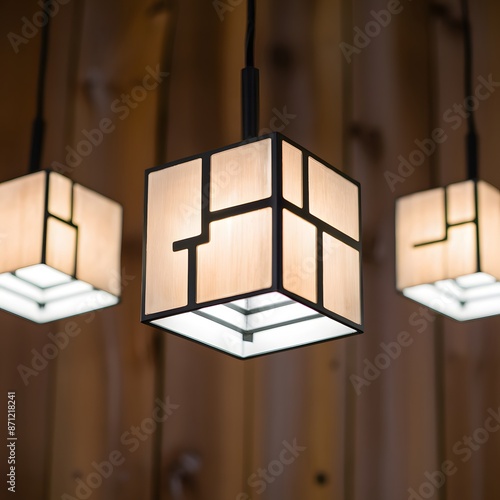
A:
[250,80]
[472,139]
[250,37]
[39,122]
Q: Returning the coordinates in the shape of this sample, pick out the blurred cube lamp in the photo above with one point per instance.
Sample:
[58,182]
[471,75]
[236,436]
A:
[59,248]
[448,247]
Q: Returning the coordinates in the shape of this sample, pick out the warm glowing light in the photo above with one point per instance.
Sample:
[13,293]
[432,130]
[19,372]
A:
[60,248]
[253,248]
[447,247]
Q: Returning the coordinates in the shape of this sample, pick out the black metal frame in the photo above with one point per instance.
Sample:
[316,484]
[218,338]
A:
[277,203]
[48,215]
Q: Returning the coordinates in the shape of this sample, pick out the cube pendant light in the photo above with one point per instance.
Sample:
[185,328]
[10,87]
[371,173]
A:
[252,248]
[59,242]
[448,243]
[59,248]
[448,239]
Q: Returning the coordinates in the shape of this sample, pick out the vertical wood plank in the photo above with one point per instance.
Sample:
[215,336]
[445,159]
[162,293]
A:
[395,419]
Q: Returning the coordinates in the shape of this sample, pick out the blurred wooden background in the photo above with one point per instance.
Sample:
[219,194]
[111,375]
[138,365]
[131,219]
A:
[234,416]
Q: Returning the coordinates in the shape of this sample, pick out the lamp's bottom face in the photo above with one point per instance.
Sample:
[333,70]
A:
[467,297]
[254,326]
[43,294]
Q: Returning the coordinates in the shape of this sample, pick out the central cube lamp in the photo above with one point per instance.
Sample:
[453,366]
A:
[252,248]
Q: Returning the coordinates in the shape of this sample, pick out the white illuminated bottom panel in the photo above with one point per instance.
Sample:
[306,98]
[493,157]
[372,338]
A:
[254,326]
[42,294]
[465,298]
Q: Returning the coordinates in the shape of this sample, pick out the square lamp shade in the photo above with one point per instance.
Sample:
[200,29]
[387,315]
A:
[59,248]
[252,248]
[448,247]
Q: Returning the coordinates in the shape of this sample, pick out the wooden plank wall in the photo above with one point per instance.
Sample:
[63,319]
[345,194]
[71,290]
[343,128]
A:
[231,418]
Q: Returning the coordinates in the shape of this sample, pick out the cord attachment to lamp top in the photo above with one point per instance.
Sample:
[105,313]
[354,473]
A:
[39,121]
[472,138]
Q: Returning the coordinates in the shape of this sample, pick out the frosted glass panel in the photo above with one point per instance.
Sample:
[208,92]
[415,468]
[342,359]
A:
[99,222]
[462,251]
[342,286]
[299,256]
[60,192]
[333,199]
[420,219]
[61,246]
[174,214]
[210,326]
[425,253]
[22,207]
[461,202]
[64,298]
[489,228]
[238,258]
[41,276]
[448,298]
[241,175]
[292,174]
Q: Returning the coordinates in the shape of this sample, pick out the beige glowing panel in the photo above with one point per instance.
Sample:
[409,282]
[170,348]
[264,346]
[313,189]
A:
[238,257]
[299,256]
[292,174]
[60,191]
[461,202]
[99,222]
[333,199]
[420,218]
[241,175]
[489,228]
[462,251]
[61,246]
[21,223]
[173,214]
[341,279]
